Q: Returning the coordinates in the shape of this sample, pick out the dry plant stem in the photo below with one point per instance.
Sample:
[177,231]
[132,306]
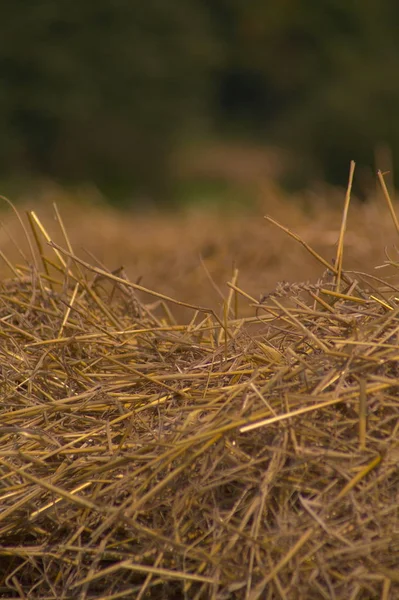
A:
[242,292]
[211,280]
[290,415]
[227,308]
[28,239]
[31,220]
[258,591]
[135,286]
[362,414]
[296,237]
[340,248]
[66,237]
[388,200]
[13,270]
[332,268]
[34,219]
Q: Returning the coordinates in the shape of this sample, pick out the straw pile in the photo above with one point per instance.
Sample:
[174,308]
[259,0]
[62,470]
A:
[229,457]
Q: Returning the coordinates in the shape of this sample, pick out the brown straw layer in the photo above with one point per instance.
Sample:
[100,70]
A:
[244,458]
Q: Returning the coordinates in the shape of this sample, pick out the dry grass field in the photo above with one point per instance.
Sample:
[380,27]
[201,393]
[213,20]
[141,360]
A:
[191,254]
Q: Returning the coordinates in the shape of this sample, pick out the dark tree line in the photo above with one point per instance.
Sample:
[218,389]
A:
[103,89]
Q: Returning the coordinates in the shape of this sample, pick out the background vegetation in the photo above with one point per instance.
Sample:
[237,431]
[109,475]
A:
[105,91]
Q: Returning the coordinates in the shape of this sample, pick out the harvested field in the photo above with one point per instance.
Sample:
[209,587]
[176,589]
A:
[170,442]
[191,254]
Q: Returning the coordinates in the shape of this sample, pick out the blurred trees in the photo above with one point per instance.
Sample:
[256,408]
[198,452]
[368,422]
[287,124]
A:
[98,88]
[317,76]
[101,89]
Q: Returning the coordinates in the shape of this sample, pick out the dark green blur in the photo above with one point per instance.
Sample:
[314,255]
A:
[105,91]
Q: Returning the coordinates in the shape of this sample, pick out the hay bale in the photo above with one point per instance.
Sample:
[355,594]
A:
[224,458]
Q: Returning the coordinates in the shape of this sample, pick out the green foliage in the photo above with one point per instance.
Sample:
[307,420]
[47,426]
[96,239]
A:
[102,89]
[324,73]
[98,88]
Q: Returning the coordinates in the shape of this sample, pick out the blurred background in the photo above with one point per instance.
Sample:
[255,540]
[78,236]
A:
[198,117]
[169,101]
